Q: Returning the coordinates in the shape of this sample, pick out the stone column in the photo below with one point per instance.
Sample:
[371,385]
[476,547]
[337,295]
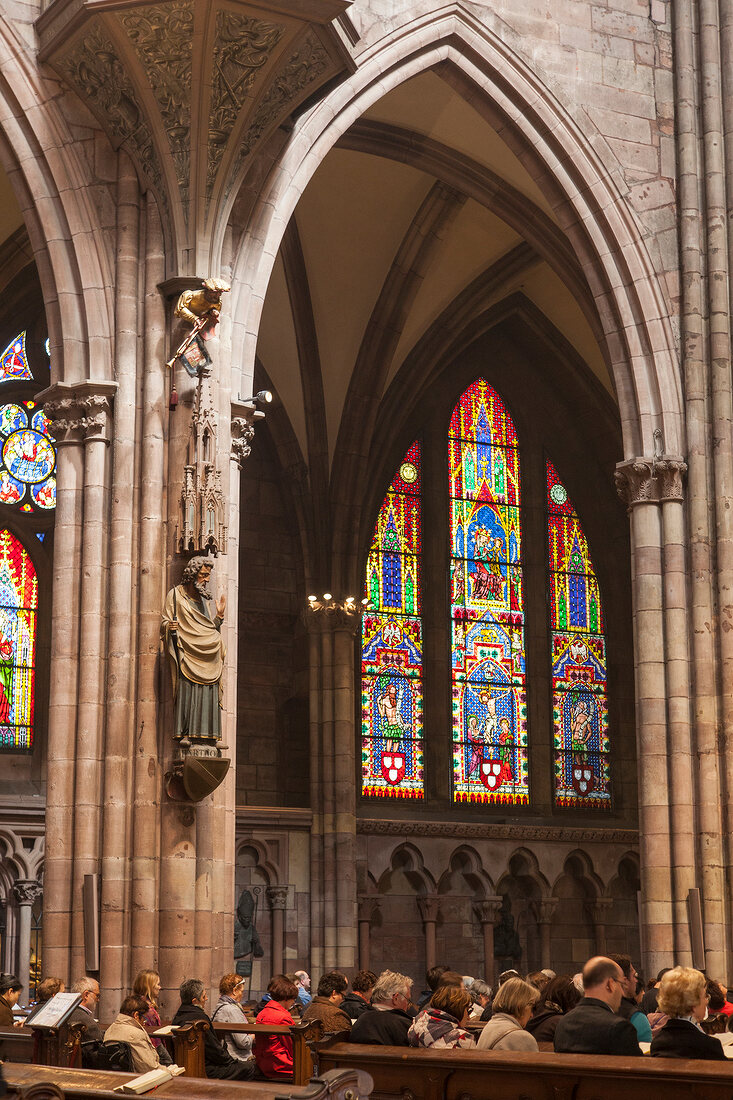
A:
[81,418]
[277,897]
[368,908]
[544,911]
[429,907]
[598,910]
[332,627]
[26,892]
[487,910]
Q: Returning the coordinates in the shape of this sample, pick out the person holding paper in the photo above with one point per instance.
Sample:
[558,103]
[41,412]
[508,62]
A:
[10,991]
[129,1028]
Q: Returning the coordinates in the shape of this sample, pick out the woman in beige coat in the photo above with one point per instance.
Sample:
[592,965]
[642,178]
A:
[511,1010]
[129,1028]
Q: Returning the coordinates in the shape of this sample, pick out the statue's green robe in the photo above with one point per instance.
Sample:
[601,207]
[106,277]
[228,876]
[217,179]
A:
[196,651]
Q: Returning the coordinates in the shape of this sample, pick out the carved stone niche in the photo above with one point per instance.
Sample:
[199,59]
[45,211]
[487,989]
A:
[133,65]
[202,525]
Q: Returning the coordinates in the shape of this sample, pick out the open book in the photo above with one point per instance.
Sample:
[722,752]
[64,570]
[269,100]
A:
[150,1080]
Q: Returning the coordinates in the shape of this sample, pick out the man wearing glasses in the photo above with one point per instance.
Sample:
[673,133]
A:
[594,1026]
[388,1019]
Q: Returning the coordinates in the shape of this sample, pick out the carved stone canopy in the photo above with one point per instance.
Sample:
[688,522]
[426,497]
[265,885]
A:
[191,88]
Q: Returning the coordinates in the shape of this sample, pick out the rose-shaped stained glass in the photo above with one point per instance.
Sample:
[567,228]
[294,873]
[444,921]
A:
[29,456]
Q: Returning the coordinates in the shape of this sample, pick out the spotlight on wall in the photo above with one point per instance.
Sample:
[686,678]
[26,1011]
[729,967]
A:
[311,599]
[264,397]
[327,596]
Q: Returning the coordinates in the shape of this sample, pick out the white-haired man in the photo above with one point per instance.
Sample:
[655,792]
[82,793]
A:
[303,982]
[388,1020]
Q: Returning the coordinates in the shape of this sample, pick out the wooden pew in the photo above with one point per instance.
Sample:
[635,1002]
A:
[46,1047]
[303,1035]
[81,1084]
[504,1075]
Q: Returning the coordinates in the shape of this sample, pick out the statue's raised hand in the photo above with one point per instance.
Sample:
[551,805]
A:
[221,605]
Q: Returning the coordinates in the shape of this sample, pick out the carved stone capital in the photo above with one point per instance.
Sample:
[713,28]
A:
[544,909]
[650,480]
[368,907]
[598,909]
[429,906]
[487,910]
[79,413]
[277,896]
[27,891]
[244,416]
[333,616]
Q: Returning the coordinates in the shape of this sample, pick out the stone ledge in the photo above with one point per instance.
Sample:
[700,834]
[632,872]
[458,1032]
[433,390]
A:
[381,827]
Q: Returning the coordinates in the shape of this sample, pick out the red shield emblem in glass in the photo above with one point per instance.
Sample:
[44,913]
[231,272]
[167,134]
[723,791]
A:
[393,767]
[490,773]
[583,778]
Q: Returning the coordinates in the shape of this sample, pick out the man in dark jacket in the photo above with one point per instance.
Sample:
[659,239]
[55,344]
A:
[593,1026]
[357,1001]
[387,1021]
[219,1062]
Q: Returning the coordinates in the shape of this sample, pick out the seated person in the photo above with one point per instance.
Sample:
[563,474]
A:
[357,1002]
[303,982]
[10,991]
[147,985]
[629,1007]
[388,1020]
[593,1026]
[510,1013]
[481,996]
[48,988]
[432,978]
[325,1005]
[559,997]
[84,1012]
[129,1028]
[229,1010]
[439,1025]
[217,1059]
[683,996]
[274,1053]
[718,1003]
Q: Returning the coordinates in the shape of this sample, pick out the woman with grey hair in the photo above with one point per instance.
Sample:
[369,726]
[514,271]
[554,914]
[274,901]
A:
[481,995]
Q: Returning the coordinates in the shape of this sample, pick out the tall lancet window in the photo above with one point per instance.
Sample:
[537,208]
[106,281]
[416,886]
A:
[391,684]
[487,605]
[18,611]
[580,707]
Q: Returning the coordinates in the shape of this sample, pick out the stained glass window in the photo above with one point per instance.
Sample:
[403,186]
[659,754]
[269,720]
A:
[487,605]
[391,684]
[27,457]
[14,361]
[18,609]
[580,707]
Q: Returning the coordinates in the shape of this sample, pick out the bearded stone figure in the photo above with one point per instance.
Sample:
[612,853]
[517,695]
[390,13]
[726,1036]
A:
[196,654]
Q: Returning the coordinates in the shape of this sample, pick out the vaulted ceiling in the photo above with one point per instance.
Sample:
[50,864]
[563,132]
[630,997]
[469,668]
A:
[421,213]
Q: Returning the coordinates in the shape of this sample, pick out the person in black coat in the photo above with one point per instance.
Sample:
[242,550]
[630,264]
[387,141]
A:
[388,1020]
[218,1061]
[357,1002]
[593,1027]
[558,998]
[683,996]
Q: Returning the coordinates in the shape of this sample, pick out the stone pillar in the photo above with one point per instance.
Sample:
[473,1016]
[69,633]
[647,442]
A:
[598,910]
[277,897]
[368,907]
[429,907]
[332,627]
[661,665]
[487,910]
[81,418]
[26,892]
[544,911]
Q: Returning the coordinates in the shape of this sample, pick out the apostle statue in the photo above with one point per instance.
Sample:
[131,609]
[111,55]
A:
[246,938]
[196,651]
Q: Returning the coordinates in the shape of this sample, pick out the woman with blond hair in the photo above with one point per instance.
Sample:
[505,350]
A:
[440,1024]
[510,1013]
[683,996]
[147,985]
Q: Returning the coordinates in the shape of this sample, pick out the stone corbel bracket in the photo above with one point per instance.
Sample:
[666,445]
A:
[651,480]
[245,415]
[80,412]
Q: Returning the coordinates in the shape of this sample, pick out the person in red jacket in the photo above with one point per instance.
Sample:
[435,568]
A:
[274,1053]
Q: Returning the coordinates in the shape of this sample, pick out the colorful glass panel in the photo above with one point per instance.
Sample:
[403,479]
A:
[14,361]
[487,607]
[579,673]
[18,610]
[28,453]
[391,679]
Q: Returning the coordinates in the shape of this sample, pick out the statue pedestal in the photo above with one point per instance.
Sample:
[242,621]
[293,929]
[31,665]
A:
[197,771]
